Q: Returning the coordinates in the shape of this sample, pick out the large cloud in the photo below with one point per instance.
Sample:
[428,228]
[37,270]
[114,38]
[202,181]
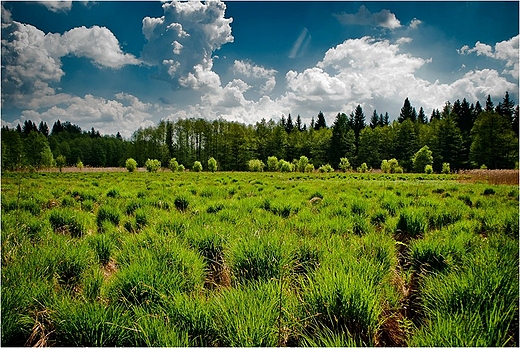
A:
[506,51]
[125,113]
[383,18]
[375,74]
[31,59]
[182,41]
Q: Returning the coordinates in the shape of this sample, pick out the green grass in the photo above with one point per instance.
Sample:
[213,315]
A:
[256,259]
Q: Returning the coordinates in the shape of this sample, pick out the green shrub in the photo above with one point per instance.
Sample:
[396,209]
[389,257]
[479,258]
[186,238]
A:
[309,168]
[197,166]
[255,165]
[152,165]
[445,168]
[285,167]
[181,168]
[173,165]
[113,193]
[131,165]
[428,169]
[421,159]
[272,163]
[344,164]
[363,168]
[327,168]
[391,166]
[302,163]
[212,165]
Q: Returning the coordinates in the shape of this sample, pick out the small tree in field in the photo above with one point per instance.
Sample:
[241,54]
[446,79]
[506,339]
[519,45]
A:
[421,159]
[445,168]
[428,169]
[79,164]
[302,163]
[272,163]
[61,162]
[197,166]
[363,168]
[131,165]
[181,168]
[212,165]
[309,168]
[152,165]
[285,167]
[174,165]
[391,166]
[327,168]
[255,165]
[344,164]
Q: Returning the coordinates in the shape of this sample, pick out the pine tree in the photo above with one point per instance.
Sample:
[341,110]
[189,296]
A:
[386,120]
[299,126]
[289,126]
[320,123]
[359,124]
[406,112]
[374,121]
[421,117]
[489,104]
[43,128]
[342,141]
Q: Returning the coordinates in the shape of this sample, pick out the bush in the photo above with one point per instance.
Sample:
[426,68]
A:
[285,167]
[173,165]
[344,164]
[212,165]
[79,164]
[152,165]
[181,167]
[428,169]
[197,166]
[272,163]
[445,168]
[363,168]
[391,166]
[131,165]
[255,165]
[421,159]
[302,163]
[327,168]
[309,168]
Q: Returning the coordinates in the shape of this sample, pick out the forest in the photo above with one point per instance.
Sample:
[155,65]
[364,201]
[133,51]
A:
[462,134]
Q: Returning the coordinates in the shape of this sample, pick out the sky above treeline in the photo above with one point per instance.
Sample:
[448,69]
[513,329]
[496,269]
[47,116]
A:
[120,65]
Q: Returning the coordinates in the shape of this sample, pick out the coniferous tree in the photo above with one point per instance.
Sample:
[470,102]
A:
[406,112]
[489,104]
[342,141]
[312,122]
[515,121]
[359,124]
[477,110]
[421,118]
[320,123]
[386,120]
[299,125]
[506,108]
[374,121]
[43,128]
[289,126]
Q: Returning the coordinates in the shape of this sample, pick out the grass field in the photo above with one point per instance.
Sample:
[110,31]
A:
[258,259]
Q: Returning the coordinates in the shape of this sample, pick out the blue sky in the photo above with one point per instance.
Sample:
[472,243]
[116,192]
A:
[118,66]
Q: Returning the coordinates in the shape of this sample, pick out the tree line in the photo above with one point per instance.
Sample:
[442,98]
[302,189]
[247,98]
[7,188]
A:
[462,134]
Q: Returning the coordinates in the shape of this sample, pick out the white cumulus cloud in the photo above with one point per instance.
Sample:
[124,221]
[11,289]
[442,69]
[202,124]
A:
[383,18]
[506,51]
[182,41]
[31,59]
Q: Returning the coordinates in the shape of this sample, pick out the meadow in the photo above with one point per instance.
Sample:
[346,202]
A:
[258,259]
